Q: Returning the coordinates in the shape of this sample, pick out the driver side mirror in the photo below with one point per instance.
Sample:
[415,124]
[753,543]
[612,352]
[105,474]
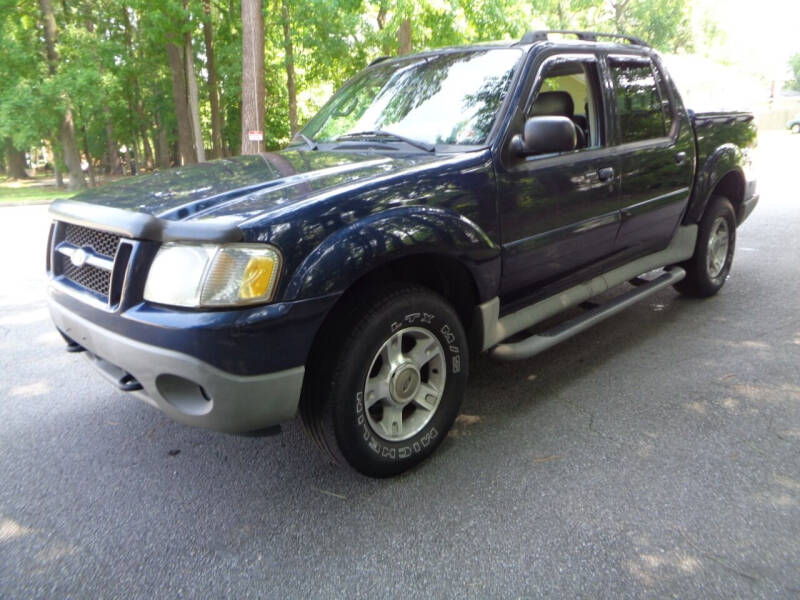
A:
[545,135]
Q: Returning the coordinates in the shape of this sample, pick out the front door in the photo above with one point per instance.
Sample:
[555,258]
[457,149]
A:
[559,212]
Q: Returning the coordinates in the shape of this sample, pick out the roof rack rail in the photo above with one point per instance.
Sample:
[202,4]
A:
[586,36]
[378,60]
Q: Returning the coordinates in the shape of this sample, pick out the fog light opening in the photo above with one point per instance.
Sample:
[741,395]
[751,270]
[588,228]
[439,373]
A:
[184,395]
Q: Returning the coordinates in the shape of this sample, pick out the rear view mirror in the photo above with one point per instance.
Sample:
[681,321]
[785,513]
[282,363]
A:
[545,135]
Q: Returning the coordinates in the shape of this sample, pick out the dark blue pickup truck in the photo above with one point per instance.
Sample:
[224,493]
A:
[439,205]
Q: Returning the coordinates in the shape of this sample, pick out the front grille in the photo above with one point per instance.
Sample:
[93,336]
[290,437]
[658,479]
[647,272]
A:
[100,242]
[88,276]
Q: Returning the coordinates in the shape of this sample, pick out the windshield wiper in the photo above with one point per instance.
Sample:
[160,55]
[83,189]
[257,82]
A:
[383,133]
[312,145]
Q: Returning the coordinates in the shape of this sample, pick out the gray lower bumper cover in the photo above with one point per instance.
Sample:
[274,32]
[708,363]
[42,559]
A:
[172,381]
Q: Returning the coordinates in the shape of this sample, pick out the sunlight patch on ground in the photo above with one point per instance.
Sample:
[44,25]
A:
[25,318]
[651,567]
[10,529]
[55,551]
[755,345]
[697,407]
[51,338]
[730,403]
[768,393]
[40,388]
[778,500]
[784,493]
[787,482]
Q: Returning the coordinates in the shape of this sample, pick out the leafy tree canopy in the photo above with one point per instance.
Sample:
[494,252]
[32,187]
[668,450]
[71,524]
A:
[114,72]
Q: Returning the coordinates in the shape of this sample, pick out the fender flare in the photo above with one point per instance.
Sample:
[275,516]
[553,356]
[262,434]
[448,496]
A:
[725,160]
[352,252]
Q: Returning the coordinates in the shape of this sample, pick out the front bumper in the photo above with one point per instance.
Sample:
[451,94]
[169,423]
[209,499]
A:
[186,388]
[747,208]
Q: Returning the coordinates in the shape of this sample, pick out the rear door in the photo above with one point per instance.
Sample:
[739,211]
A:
[558,212]
[656,153]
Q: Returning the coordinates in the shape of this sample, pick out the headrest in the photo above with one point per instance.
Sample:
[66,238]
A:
[553,104]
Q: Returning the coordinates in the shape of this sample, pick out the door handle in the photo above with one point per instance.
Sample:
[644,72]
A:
[606,173]
[680,157]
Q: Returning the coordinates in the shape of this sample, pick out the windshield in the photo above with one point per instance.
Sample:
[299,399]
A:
[448,98]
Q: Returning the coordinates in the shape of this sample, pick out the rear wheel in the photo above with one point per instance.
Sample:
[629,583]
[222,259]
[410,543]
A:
[387,382]
[708,269]
[796,128]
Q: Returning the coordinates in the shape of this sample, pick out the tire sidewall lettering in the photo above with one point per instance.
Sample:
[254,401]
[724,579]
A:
[423,440]
[392,451]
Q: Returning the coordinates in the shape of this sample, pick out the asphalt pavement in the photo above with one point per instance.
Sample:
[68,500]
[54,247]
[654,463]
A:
[655,455]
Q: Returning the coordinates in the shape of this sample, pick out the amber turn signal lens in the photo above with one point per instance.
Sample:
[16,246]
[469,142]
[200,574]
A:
[257,277]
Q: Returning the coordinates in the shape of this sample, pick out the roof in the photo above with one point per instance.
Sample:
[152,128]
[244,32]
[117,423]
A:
[534,37]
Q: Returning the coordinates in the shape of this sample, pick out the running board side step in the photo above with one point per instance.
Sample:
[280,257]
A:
[542,341]
[497,329]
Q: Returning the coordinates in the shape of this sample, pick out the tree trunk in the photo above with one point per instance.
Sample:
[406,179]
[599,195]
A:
[213,86]
[85,139]
[72,156]
[128,160]
[620,8]
[290,75]
[134,97]
[112,150]
[15,161]
[404,37]
[562,19]
[162,145]
[185,141]
[174,153]
[148,150]
[252,73]
[194,106]
[58,175]
[136,164]
[381,18]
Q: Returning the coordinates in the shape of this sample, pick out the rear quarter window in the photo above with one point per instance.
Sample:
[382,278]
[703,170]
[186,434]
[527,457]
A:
[640,108]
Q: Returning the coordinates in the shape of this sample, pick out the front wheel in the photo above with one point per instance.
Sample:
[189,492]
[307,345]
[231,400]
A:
[708,269]
[796,128]
[387,383]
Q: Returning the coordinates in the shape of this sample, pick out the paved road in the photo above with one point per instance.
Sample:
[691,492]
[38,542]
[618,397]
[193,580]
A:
[657,455]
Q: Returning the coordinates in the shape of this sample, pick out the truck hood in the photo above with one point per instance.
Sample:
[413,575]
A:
[239,188]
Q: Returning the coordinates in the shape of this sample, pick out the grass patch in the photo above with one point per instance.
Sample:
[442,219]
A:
[40,189]
[33,195]
[31,191]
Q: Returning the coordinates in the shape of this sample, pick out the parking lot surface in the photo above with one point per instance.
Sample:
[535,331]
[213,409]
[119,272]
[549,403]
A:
[656,455]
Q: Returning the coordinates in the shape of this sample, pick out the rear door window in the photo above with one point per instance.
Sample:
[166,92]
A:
[640,109]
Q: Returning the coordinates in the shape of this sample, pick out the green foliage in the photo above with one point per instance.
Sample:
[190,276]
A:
[114,71]
[665,24]
[794,66]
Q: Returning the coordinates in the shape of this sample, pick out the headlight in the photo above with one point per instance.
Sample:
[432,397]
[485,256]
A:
[211,275]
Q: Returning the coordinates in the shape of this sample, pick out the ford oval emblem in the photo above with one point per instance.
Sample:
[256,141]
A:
[79,257]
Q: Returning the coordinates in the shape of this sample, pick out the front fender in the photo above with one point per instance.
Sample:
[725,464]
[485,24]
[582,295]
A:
[724,160]
[352,252]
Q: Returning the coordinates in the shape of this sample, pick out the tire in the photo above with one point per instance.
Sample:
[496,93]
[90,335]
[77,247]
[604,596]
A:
[708,269]
[374,399]
[796,128]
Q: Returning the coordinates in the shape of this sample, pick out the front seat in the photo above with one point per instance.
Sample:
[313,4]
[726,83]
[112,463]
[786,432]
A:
[558,104]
